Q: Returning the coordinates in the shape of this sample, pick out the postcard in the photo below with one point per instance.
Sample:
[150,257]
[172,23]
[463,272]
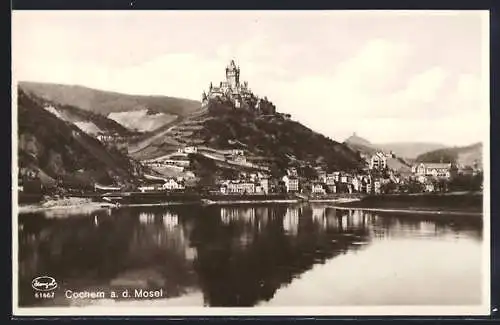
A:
[250,163]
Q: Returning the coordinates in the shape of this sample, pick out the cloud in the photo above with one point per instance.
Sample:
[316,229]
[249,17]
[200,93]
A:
[336,75]
[374,67]
[424,87]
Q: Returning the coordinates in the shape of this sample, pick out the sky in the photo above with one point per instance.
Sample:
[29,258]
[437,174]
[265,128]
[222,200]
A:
[388,76]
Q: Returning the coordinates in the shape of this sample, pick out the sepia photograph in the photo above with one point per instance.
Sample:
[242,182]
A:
[236,163]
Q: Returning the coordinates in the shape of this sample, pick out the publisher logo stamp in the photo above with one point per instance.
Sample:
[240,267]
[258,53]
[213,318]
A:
[44,283]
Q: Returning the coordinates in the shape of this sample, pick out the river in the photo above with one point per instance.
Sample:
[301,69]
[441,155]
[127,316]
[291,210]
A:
[275,255]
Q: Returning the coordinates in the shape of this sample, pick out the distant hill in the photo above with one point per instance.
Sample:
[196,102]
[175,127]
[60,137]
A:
[360,144]
[357,140]
[268,138]
[57,149]
[141,113]
[406,150]
[410,150]
[465,156]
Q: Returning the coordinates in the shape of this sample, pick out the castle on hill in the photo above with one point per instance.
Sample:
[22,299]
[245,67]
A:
[236,93]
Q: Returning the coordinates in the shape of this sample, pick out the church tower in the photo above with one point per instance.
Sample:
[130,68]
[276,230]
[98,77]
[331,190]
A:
[233,75]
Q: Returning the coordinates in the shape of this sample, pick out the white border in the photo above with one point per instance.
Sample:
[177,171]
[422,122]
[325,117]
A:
[483,309]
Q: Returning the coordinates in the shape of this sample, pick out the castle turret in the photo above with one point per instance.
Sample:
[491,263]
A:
[233,75]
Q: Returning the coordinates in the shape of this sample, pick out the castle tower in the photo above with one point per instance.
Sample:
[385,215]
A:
[233,75]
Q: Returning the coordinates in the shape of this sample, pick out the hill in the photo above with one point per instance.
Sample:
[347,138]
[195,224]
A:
[406,150]
[357,140]
[59,151]
[362,145]
[464,156]
[410,150]
[269,139]
[89,122]
[139,113]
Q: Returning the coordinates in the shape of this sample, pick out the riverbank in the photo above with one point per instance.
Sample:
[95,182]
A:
[414,211]
[67,203]
[149,200]
[425,203]
[222,202]
[338,200]
[460,203]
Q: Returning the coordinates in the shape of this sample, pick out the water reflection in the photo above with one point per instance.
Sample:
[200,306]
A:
[234,256]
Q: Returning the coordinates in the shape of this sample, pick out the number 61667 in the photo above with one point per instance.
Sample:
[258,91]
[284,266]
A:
[44,295]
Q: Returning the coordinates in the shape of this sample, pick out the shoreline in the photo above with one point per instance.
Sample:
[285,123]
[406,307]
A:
[248,202]
[392,204]
[440,212]
[99,206]
[32,208]
[339,200]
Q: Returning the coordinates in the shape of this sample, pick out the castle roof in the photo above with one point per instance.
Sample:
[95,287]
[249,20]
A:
[231,65]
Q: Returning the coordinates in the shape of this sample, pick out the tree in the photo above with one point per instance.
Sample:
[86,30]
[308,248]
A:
[309,172]
[415,187]
[388,188]
[441,185]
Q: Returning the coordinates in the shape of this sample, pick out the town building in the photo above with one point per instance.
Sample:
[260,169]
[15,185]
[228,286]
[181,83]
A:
[104,137]
[331,179]
[437,170]
[264,184]
[317,188]
[336,176]
[345,178]
[246,185]
[188,150]
[292,172]
[237,152]
[240,188]
[147,188]
[240,159]
[356,184]
[378,161]
[291,183]
[429,186]
[172,184]
[365,184]
[322,175]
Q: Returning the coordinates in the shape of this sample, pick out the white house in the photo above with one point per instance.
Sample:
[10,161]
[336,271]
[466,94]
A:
[291,183]
[429,187]
[378,161]
[356,184]
[172,184]
[146,188]
[317,188]
[190,149]
[240,159]
[241,187]
[440,170]
[331,179]
[264,183]
[237,152]
[322,176]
